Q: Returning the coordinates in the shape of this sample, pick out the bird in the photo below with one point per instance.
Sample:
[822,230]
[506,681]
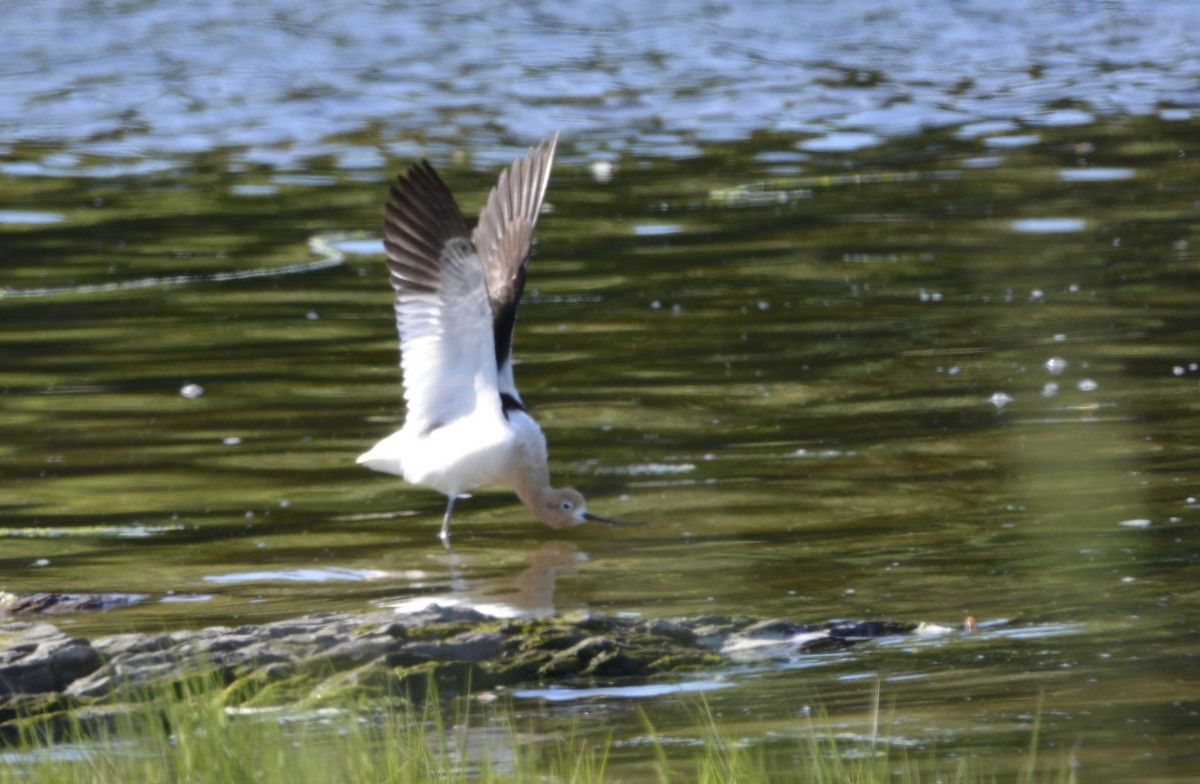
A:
[457,294]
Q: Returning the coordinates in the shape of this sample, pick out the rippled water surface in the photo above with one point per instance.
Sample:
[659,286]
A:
[873,312]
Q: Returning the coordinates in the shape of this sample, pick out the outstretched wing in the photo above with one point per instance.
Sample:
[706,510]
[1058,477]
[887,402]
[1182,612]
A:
[503,238]
[443,312]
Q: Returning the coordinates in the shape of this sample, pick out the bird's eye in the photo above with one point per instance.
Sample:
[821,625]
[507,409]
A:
[566,506]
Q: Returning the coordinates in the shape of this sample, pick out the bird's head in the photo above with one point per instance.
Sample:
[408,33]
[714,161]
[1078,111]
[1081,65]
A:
[565,507]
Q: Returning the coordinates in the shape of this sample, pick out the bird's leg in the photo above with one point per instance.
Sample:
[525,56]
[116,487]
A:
[445,534]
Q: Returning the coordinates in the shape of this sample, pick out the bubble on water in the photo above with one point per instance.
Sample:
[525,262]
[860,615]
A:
[1059,338]
[1056,365]
[1036,295]
[40,563]
[1050,390]
[1178,370]
[231,441]
[1138,523]
[1000,399]
[191,391]
[602,171]
[1087,385]
[929,296]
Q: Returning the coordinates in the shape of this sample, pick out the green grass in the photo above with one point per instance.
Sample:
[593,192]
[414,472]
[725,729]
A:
[185,734]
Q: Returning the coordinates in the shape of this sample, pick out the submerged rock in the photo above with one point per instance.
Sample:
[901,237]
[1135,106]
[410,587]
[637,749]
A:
[63,603]
[318,656]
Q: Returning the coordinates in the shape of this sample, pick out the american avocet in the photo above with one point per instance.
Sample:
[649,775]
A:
[456,308]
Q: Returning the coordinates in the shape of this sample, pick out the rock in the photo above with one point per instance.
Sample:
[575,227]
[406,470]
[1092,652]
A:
[556,637]
[38,658]
[777,629]
[661,627]
[358,651]
[562,664]
[591,647]
[99,684]
[713,630]
[305,660]
[784,639]
[473,647]
[590,620]
[130,644]
[613,664]
[857,631]
[64,603]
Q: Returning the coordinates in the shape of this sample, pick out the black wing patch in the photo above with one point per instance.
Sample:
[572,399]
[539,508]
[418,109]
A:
[422,218]
[504,318]
[510,403]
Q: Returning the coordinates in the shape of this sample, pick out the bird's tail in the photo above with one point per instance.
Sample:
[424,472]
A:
[381,460]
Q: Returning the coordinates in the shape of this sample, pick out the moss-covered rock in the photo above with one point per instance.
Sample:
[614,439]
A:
[47,675]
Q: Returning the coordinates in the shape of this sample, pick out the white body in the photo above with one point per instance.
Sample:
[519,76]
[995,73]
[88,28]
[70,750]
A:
[479,450]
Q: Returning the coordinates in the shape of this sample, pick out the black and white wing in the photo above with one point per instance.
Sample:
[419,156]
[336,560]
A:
[503,239]
[443,311]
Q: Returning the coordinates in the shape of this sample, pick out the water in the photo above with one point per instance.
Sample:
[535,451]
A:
[895,321]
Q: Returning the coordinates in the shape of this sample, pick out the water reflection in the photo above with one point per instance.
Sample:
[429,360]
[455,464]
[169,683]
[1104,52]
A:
[296,575]
[1049,225]
[529,592]
[638,692]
